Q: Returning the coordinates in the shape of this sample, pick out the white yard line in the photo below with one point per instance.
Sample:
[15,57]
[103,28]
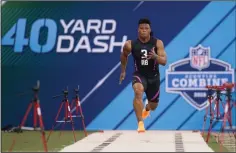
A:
[131,141]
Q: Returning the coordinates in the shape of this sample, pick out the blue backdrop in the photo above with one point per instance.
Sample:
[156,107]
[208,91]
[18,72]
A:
[105,103]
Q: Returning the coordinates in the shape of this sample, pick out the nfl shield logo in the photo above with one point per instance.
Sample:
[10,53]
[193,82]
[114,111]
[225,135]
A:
[200,57]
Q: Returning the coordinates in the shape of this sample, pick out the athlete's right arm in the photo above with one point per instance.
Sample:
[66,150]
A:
[124,55]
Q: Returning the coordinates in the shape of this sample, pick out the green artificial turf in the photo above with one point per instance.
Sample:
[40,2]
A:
[31,140]
[213,144]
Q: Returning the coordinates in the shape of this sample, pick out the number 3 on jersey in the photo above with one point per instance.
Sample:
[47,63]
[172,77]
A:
[144,60]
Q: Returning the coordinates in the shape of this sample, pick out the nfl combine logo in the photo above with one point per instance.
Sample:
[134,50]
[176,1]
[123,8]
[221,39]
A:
[189,77]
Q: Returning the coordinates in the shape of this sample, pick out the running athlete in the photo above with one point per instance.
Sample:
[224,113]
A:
[148,52]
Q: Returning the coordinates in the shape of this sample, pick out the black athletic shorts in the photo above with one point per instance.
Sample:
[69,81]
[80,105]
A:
[151,86]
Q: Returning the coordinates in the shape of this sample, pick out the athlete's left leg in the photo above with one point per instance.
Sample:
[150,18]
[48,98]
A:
[153,94]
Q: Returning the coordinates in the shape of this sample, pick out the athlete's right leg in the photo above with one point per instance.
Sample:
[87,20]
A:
[139,88]
[138,100]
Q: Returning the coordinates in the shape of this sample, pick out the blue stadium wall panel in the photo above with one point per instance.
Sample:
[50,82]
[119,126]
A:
[31,51]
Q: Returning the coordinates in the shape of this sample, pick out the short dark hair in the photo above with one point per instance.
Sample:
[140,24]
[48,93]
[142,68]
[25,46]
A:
[144,21]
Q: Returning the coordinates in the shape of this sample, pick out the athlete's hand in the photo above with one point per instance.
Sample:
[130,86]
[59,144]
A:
[122,77]
[152,55]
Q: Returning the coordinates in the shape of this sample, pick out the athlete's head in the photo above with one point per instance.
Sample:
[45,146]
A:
[144,28]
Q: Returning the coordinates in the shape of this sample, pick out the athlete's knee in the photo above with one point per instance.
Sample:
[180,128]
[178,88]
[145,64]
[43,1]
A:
[138,93]
[138,90]
[152,105]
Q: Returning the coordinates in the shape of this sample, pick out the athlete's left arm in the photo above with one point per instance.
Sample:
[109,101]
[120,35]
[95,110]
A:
[161,54]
